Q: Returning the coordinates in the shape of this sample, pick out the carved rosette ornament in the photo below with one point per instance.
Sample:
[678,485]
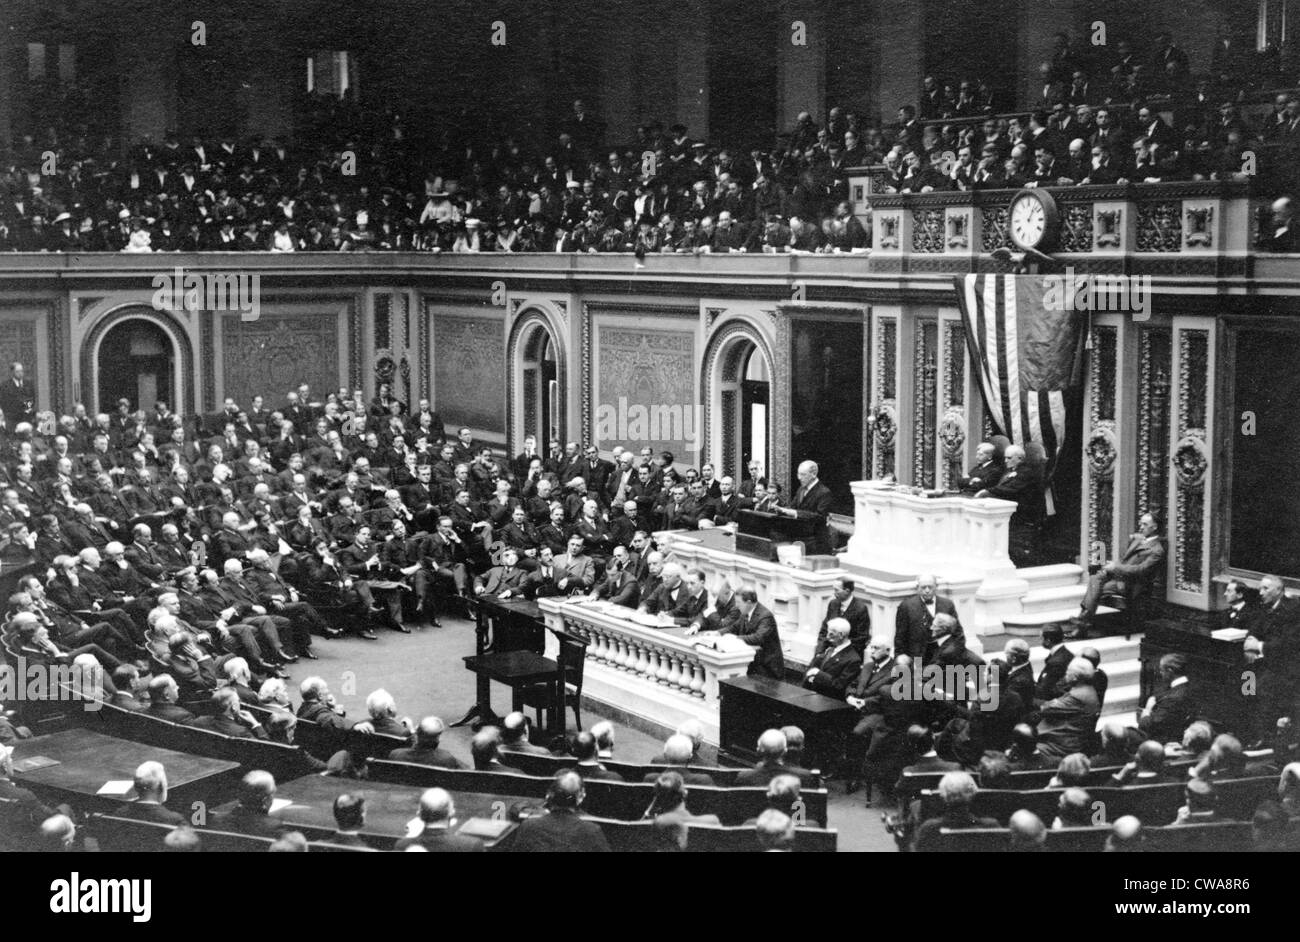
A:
[1102,450]
[884,423]
[1191,459]
[952,433]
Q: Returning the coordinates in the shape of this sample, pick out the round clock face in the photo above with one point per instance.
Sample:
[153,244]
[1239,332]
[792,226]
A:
[1028,222]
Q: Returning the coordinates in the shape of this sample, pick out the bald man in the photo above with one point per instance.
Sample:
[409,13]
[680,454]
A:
[438,818]
[561,829]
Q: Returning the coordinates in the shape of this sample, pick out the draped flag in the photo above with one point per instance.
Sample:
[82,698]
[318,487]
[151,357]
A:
[1028,356]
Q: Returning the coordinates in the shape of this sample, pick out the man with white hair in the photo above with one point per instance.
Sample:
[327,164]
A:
[916,614]
[811,503]
[151,797]
[1066,723]
[1285,236]
[383,719]
[229,717]
[604,733]
[678,756]
[1022,483]
[837,667]
[694,731]
[985,473]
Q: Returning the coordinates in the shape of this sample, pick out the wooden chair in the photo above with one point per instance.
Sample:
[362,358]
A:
[572,659]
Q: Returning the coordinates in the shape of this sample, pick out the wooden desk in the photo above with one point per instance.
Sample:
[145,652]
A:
[388,807]
[86,760]
[751,705]
[509,639]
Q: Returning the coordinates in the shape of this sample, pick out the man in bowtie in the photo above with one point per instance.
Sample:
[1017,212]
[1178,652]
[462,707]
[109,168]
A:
[916,615]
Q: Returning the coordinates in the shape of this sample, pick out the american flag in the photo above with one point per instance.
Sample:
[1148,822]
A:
[1028,359]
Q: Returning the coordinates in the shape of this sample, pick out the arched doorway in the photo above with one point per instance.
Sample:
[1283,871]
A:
[538,395]
[136,360]
[739,385]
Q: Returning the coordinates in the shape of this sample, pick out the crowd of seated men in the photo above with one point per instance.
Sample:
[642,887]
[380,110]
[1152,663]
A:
[559,824]
[360,184]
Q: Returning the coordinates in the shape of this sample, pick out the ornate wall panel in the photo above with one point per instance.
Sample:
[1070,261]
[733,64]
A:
[1101,451]
[1191,458]
[18,342]
[278,351]
[644,392]
[1154,366]
[925,391]
[883,416]
[954,414]
[470,372]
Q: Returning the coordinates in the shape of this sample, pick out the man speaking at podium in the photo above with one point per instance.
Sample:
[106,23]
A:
[812,501]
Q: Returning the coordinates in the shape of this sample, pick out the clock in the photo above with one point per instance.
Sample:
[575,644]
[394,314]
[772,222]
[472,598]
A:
[1032,220]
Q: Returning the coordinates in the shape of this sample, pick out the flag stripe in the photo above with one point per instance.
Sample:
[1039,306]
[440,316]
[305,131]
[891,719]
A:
[1010,357]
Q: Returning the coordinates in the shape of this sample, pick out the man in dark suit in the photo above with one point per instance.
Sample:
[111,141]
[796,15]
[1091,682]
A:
[561,828]
[1020,672]
[836,668]
[1240,612]
[1129,576]
[880,713]
[229,718]
[17,398]
[853,610]
[350,818]
[163,694]
[812,503]
[1054,666]
[438,814]
[1022,483]
[985,473]
[618,586]
[757,628]
[1277,614]
[427,749]
[151,797]
[916,615]
[252,814]
[1168,714]
[677,756]
[772,748]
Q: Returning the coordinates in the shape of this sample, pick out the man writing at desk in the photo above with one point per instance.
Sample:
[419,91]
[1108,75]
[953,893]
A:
[812,502]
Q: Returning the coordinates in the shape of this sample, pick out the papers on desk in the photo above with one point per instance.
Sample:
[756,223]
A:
[118,788]
[32,763]
[279,804]
[487,828]
[724,643]
[646,620]
[1229,634]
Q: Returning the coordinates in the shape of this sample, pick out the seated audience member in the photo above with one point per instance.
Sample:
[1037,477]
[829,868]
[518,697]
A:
[1028,834]
[514,736]
[925,758]
[1073,810]
[604,733]
[1202,803]
[1167,714]
[251,815]
[26,811]
[669,813]
[229,717]
[771,751]
[1126,836]
[834,670]
[588,766]
[1073,771]
[677,756]
[1024,754]
[1147,767]
[1271,831]
[561,828]
[428,749]
[163,697]
[694,731]
[995,771]
[1117,747]
[775,832]
[151,797]
[182,840]
[1068,722]
[349,819]
[1197,739]
[437,816]
[381,709]
[57,835]
[485,751]
[957,790]
[290,842]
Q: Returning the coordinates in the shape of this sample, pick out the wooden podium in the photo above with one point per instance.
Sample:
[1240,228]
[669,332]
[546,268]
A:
[759,532]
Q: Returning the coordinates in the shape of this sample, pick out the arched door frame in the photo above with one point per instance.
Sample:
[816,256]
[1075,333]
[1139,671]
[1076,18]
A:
[181,395]
[527,322]
[722,383]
